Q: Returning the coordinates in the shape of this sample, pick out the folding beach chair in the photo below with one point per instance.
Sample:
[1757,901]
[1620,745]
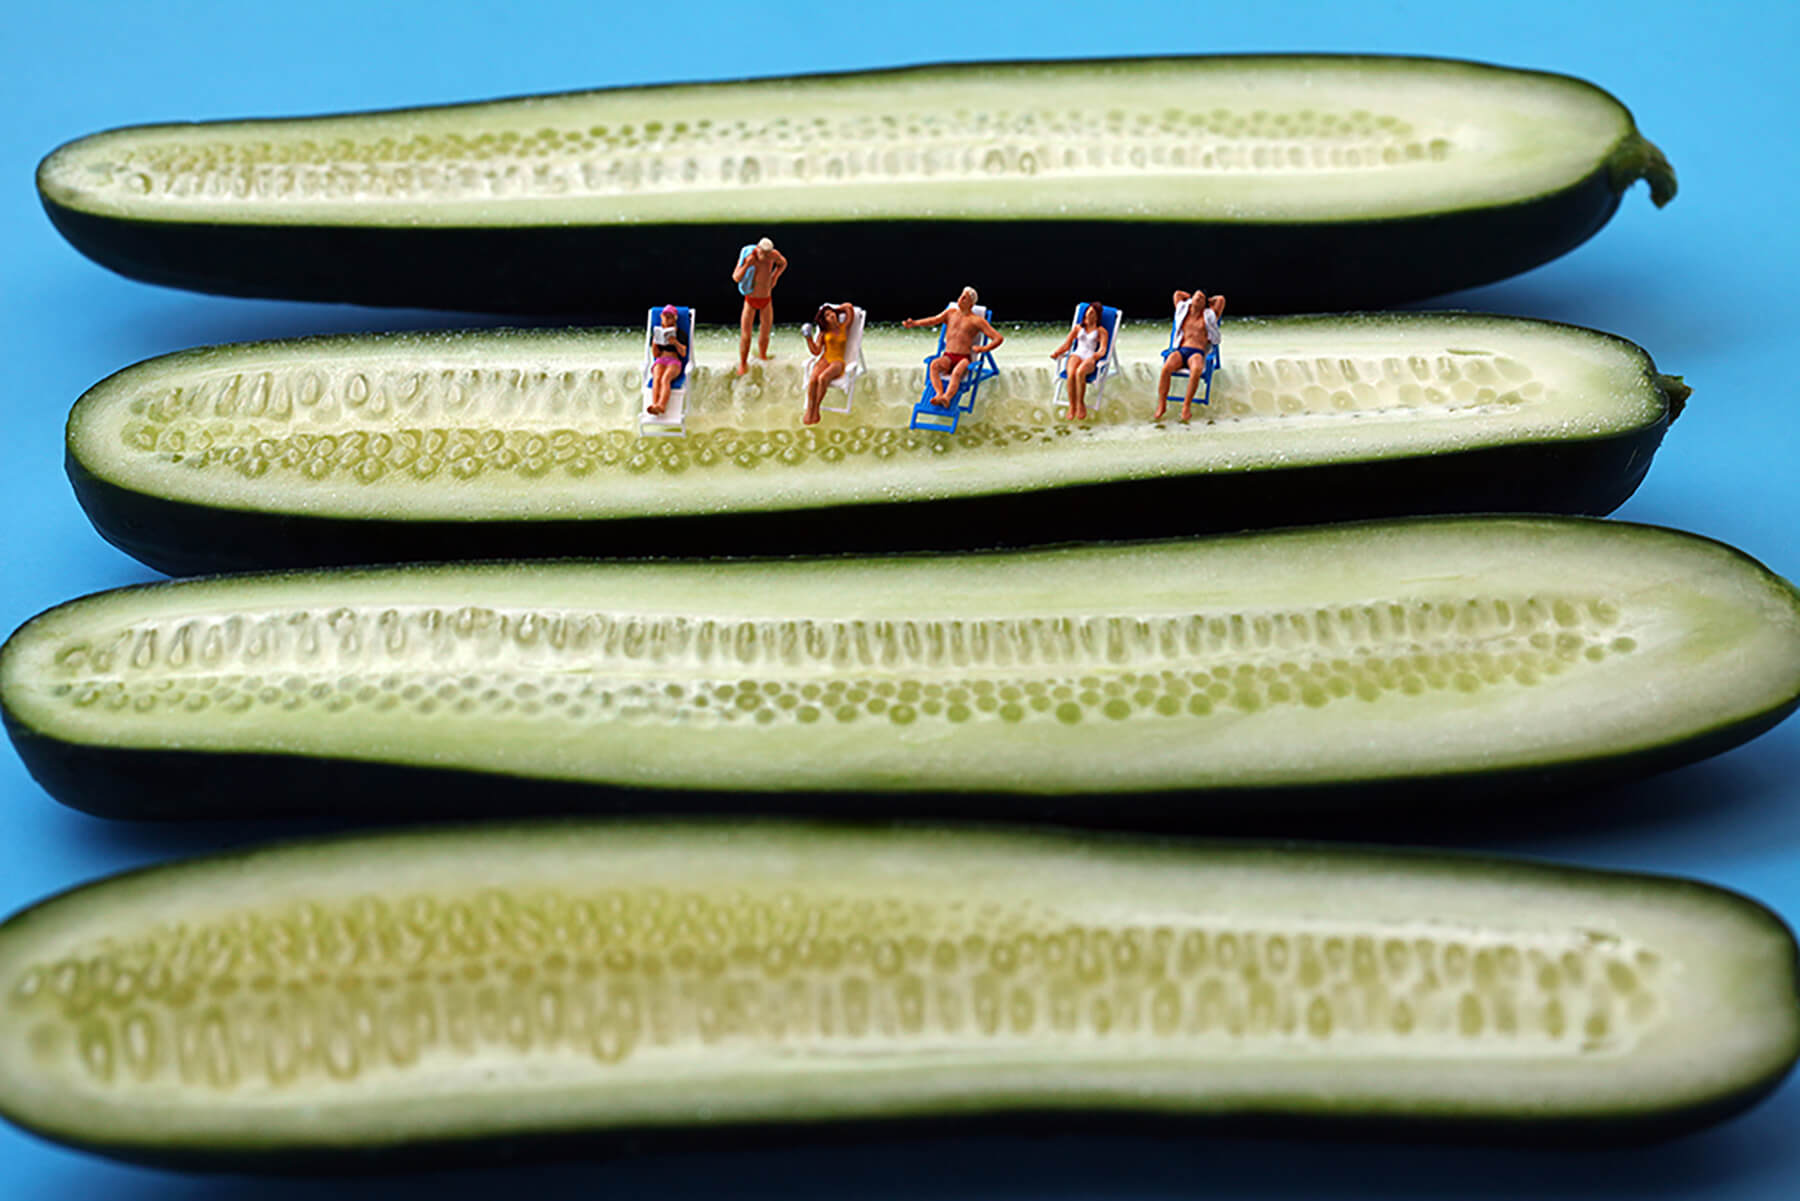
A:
[853,365]
[672,421]
[1203,395]
[927,416]
[1110,320]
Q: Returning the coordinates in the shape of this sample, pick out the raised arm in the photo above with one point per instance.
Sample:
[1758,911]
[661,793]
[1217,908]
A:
[1182,297]
[926,322]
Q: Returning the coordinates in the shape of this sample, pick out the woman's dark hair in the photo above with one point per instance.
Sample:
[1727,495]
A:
[819,317]
[1098,312]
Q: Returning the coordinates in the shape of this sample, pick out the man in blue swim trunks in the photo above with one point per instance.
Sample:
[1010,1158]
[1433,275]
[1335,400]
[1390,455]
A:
[1196,337]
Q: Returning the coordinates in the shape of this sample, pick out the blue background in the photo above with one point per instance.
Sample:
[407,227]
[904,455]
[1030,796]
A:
[1706,285]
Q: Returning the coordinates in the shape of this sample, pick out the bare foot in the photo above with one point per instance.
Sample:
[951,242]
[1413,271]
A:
[1160,410]
[765,356]
[942,402]
[743,369]
[656,410]
[1185,413]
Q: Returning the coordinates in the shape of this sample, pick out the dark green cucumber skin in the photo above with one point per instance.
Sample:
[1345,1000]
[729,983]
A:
[1304,1115]
[604,273]
[934,1137]
[1588,477]
[137,784]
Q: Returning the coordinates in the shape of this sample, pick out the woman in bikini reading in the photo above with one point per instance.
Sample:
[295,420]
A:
[670,353]
[1087,344]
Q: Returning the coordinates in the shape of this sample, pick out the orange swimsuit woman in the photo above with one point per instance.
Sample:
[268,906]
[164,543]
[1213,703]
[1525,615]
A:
[828,343]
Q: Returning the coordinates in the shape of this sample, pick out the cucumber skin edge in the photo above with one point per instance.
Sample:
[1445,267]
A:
[1262,267]
[1593,1132]
[1589,477]
[137,784]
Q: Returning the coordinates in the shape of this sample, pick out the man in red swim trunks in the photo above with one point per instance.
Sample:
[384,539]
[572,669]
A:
[961,326]
[762,267]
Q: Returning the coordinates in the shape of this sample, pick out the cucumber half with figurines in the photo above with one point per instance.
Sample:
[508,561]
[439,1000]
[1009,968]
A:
[426,992]
[517,444]
[1170,679]
[1287,182]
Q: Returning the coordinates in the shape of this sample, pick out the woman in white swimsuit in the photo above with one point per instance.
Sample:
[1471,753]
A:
[1086,345]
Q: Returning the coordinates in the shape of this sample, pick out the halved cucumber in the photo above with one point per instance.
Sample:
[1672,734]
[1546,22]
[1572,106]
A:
[364,449]
[1496,650]
[359,996]
[1304,182]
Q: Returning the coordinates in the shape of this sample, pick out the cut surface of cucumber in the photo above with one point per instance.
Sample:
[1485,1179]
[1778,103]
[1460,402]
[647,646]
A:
[1379,654]
[1310,181]
[380,448]
[371,994]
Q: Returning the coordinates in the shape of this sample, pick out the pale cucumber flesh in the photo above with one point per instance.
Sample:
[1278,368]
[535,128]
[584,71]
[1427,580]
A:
[544,426]
[1370,653]
[368,994]
[1296,184]
[1192,140]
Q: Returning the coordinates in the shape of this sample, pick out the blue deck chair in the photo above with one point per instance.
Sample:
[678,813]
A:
[1110,320]
[1203,395]
[672,421]
[927,416]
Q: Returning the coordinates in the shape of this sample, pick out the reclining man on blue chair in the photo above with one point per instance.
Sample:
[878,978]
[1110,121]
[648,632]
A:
[959,345]
[1195,349]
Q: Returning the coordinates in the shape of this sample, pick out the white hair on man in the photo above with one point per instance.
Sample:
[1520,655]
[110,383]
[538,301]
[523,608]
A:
[765,245]
[974,296]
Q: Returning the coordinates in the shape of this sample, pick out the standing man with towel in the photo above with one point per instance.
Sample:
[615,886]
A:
[759,268]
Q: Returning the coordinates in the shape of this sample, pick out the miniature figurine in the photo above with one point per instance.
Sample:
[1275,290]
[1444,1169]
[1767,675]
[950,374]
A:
[961,324]
[827,340]
[758,270]
[1195,334]
[670,355]
[1087,346]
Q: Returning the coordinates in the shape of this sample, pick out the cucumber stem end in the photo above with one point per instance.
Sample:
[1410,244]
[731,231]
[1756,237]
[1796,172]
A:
[1675,391]
[1638,158]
